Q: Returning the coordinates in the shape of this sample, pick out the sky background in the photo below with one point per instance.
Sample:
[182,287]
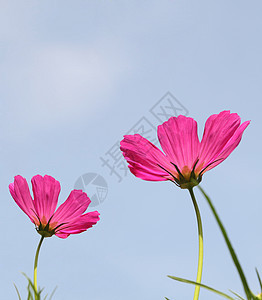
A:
[78,75]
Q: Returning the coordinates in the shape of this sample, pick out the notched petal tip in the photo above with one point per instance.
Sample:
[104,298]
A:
[221,137]
[179,140]
[144,158]
[11,187]
[19,190]
[46,190]
[82,195]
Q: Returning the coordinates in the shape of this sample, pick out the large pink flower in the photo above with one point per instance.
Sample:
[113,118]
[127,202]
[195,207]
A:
[185,159]
[68,219]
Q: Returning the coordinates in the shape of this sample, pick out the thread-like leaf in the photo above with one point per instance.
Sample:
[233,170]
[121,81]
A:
[259,279]
[52,294]
[19,297]
[33,294]
[230,248]
[201,285]
[236,294]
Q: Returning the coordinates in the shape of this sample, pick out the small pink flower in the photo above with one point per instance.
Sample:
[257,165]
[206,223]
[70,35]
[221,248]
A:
[67,219]
[185,159]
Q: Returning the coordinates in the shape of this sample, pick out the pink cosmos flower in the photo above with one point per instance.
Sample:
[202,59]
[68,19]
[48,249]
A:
[68,219]
[185,159]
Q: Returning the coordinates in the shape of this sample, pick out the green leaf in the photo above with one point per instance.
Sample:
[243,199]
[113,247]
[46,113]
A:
[54,292]
[34,294]
[19,297]
[241,298]
[202,285]
[259,279]
[230,248]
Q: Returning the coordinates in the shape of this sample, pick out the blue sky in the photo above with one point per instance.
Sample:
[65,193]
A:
[76,76]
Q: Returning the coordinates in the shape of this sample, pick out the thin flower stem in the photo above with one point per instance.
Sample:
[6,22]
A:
[35,265]
[200,241]
[248,292]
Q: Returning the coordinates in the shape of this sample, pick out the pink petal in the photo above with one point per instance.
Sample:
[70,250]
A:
[46,191]
[179,140]
[62,235]
[79,225]
[230,146]
[218,131]
[21,194]
[144,158]
[75,205]
[147,174]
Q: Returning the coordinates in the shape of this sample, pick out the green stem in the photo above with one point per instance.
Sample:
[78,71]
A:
[248,292]
[200,241]
[35,265]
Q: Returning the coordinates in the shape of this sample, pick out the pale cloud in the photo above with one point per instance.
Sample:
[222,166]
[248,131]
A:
[60,82]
